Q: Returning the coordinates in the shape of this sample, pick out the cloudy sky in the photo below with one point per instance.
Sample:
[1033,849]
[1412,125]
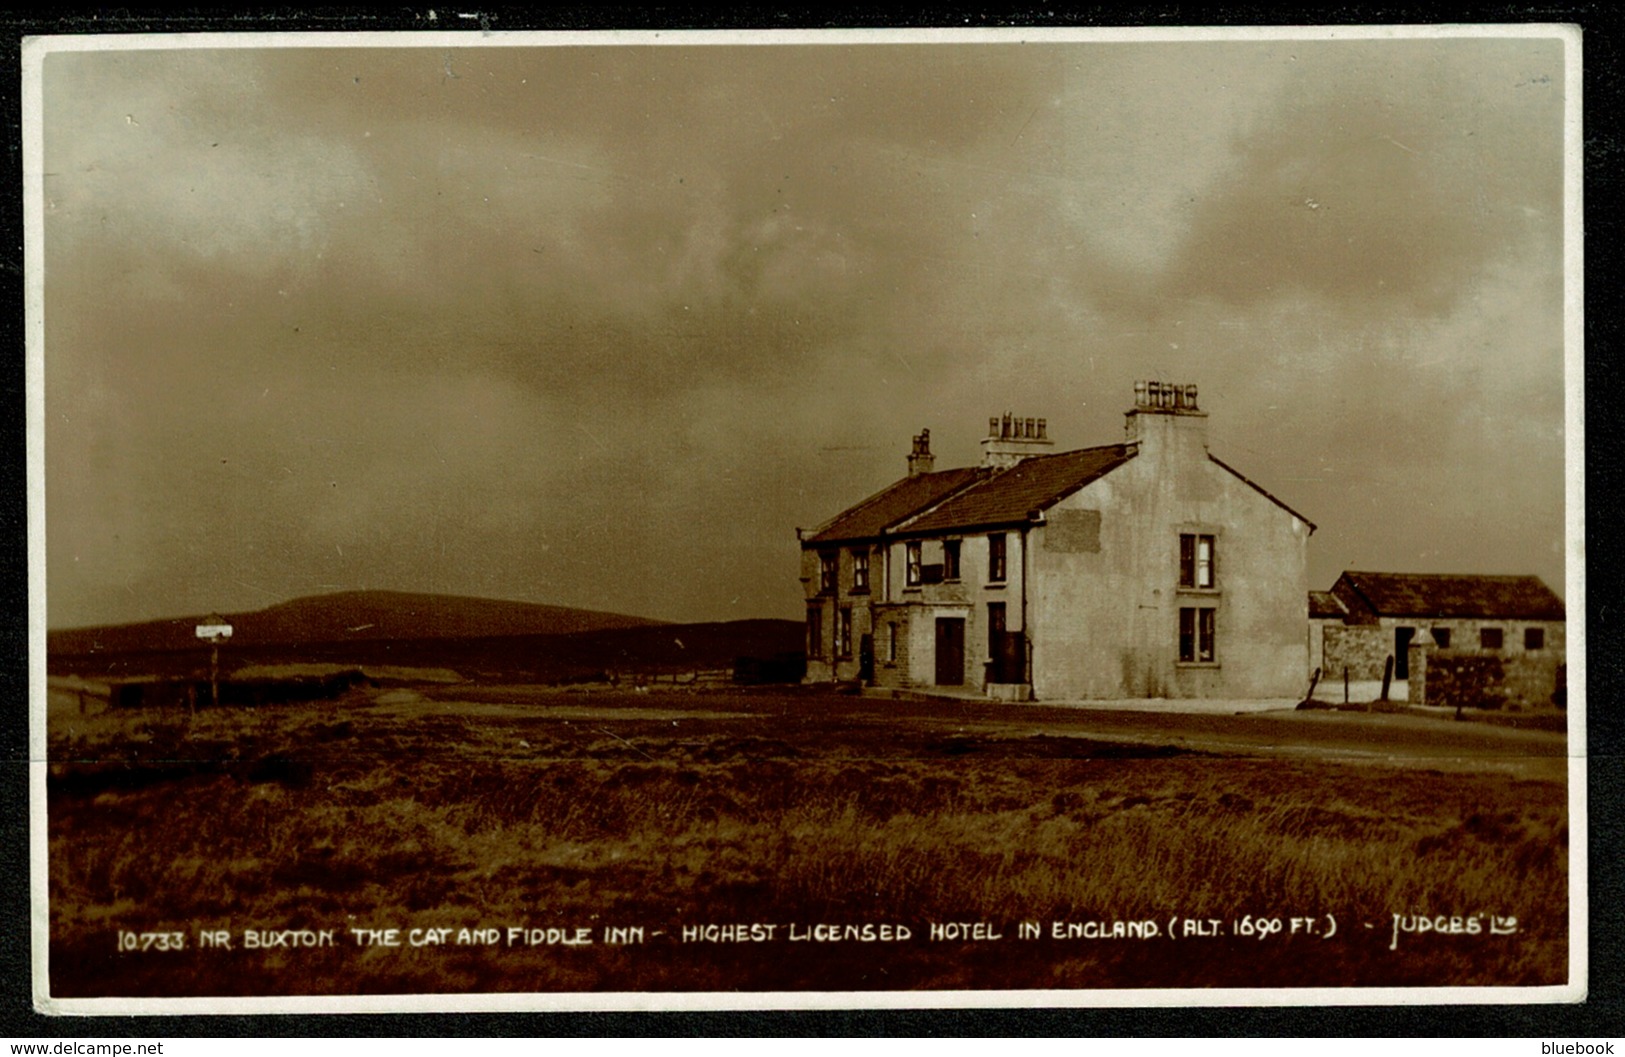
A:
[602,325]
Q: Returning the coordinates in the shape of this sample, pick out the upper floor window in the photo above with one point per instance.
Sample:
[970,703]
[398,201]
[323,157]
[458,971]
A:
[1196,560]
[912,564]
[996,558]
[1534,638]
[1489,638]
[950,559]
[860,569]
[828,563]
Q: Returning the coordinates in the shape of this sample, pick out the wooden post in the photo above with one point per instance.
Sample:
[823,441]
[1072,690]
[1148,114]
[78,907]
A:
[1387,676]
[214,673]
[1345,684]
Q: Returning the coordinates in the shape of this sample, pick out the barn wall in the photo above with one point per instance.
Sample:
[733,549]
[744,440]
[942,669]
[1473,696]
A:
[1485,678]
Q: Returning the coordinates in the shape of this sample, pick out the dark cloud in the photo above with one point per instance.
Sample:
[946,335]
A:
[599,326]
[1388,187]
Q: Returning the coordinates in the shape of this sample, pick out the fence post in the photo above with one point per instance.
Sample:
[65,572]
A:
[1387,676]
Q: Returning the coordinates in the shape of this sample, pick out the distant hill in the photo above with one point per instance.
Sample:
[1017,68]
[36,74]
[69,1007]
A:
[650,649]
[349,617]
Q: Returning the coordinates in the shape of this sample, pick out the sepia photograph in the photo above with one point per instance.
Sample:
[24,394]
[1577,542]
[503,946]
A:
[805,519]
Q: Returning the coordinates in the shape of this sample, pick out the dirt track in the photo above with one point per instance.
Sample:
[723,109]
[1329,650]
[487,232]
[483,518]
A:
[865,725]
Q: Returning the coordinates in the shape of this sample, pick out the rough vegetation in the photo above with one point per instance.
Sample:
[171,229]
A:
[558,810]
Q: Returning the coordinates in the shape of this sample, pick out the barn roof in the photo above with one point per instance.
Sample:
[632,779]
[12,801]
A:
[1032,484]
[1325,604]
[1440,595]
[894,503]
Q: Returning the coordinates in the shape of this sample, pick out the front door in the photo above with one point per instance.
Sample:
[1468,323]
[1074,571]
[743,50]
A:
[1402,652]
[995,641]
[866,658]
[950,651]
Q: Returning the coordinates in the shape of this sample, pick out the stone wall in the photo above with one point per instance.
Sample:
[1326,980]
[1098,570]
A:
[1485,678]
[1363,648]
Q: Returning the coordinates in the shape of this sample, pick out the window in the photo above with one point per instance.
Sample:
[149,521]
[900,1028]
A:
[950,560]
[891,643]
[911,576]
[1534,638]
[995,558]
[1489,638]
[815,632]
[1441,638]
[827,566]
[843,632]
[1196,635]
[1196,560]
[860,570]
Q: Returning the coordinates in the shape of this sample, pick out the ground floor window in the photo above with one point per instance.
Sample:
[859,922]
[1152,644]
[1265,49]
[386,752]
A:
[843,632]
[1197,635]
[891,643]
[1534,638]
[1489,638]
[815,632]
[1441,638]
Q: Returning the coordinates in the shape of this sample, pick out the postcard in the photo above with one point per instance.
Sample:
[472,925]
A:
[805,519]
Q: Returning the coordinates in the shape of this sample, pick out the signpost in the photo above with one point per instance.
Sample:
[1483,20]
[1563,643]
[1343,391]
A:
[215,629]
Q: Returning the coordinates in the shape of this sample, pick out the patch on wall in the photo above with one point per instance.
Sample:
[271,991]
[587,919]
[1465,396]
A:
[1073,531]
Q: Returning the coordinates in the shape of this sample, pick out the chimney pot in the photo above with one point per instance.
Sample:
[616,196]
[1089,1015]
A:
[1012,438]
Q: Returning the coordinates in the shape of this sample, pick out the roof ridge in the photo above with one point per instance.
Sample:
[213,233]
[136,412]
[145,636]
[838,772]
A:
[949,482]
[1011,496]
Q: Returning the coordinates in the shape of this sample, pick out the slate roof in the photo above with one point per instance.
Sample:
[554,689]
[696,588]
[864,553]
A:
[1434,595]
[892,504]
[1326,604]
[1031,484]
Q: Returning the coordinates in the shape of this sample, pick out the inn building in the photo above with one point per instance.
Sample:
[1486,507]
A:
[1148,567]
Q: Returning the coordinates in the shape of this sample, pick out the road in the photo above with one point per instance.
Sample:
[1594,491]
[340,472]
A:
[840,724]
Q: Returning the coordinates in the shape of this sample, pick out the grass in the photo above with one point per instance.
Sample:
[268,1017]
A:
[660,810]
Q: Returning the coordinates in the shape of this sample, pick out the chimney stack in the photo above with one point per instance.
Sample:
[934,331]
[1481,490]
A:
[1166,417]
[1010,439]
[920,460]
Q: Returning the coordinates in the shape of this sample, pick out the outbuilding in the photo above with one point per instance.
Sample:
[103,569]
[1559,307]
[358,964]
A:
[1448,621]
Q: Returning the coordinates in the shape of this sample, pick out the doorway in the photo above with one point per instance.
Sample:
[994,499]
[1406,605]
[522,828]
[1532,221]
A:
[950,651]
[1402,652]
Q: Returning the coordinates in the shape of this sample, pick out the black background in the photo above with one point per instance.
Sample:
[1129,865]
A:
[1603,1014]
